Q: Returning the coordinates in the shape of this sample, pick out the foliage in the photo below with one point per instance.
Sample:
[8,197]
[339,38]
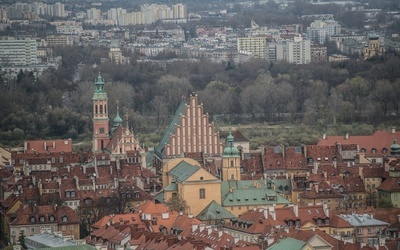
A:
[21,239]
[176,203]
[327,98]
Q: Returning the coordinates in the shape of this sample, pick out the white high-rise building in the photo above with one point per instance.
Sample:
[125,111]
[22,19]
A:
[58,10]
[116,14]
[179,11]
[93,13]
[18,52]
[299,51]
[319,31]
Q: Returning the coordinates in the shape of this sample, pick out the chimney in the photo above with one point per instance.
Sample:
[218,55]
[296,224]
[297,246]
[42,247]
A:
[326,209]
[265,211]
[111,171]
[54,144]
[304,150]
[55,207]
[34,180]
[393,131]
[45,145]
[361,172]
[313,228]
[316,186]
[40,187]
[201,227]
[69,168]
[287,230]
[272,212]
[77,182]
[84,169]
[283,151]
[194,227]
[236,239]
[324,136]
[209,230]
[190,216]
[325,175]
[346,136]
[143,162]
[296,210]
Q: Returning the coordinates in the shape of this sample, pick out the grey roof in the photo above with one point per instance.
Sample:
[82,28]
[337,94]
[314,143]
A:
[47,240]
[214,211]
[244,193]
[183,170]
[159,151]
[362,220]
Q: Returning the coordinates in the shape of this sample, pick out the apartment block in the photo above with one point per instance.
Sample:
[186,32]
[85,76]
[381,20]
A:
[18,52]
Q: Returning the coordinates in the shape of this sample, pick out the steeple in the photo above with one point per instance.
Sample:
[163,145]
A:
[100,116]
[117,119]
[230,161]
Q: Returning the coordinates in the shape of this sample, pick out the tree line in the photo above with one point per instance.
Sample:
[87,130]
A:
[59,103]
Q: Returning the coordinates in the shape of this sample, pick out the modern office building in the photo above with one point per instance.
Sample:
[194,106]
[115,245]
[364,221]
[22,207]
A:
[254,45]
[18,52]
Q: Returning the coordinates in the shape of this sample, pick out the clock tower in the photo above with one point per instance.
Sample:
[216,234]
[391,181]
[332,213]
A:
[101,135]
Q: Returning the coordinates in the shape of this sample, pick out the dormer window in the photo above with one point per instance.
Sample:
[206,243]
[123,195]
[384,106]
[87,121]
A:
[41,219]
[61,159]
[51,218]
[64,218]
[373,150]
[137,195]
[72,193]
[67,194]
[53,159]
[33,219]
[363,150]
[384,150]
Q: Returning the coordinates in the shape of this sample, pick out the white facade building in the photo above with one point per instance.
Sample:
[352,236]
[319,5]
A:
[299,51]
[18,52]
[319,31]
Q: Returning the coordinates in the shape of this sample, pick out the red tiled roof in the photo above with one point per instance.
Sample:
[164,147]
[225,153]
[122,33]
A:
[391,184]
[339,222]
[44,146]
[323,154]
[379,140]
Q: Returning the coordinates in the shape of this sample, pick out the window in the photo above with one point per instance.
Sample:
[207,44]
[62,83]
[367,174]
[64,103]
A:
[72,193]
[202,193]
[359,230]
[71,227]
[395,197]
[370,230]
[33,220]
[32,229]
[51,218]
[41,219]
[101,130]
[64,218]
[61,160]
[63,228]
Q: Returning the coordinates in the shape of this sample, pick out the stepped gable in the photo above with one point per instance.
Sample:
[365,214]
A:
[252,167]
[184,136]
[323,154]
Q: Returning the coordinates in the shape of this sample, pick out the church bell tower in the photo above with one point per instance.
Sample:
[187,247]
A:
[101,135]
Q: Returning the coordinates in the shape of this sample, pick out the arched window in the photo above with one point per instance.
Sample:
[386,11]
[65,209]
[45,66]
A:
[96,109]
[384,150]
[33,220]
[41,219]
[51,218]
[363,150]
[101,109]
[64,218]
[373,150]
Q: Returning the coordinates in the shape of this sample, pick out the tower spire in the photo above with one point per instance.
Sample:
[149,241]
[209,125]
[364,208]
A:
[117,119]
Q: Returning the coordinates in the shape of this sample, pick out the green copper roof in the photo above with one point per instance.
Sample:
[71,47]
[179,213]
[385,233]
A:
[230,150]
[245,193]
[172,187]
[395,148]
[159,151]
[99,92]
[183,170]
[288,243]
[214,211]
[117,119]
